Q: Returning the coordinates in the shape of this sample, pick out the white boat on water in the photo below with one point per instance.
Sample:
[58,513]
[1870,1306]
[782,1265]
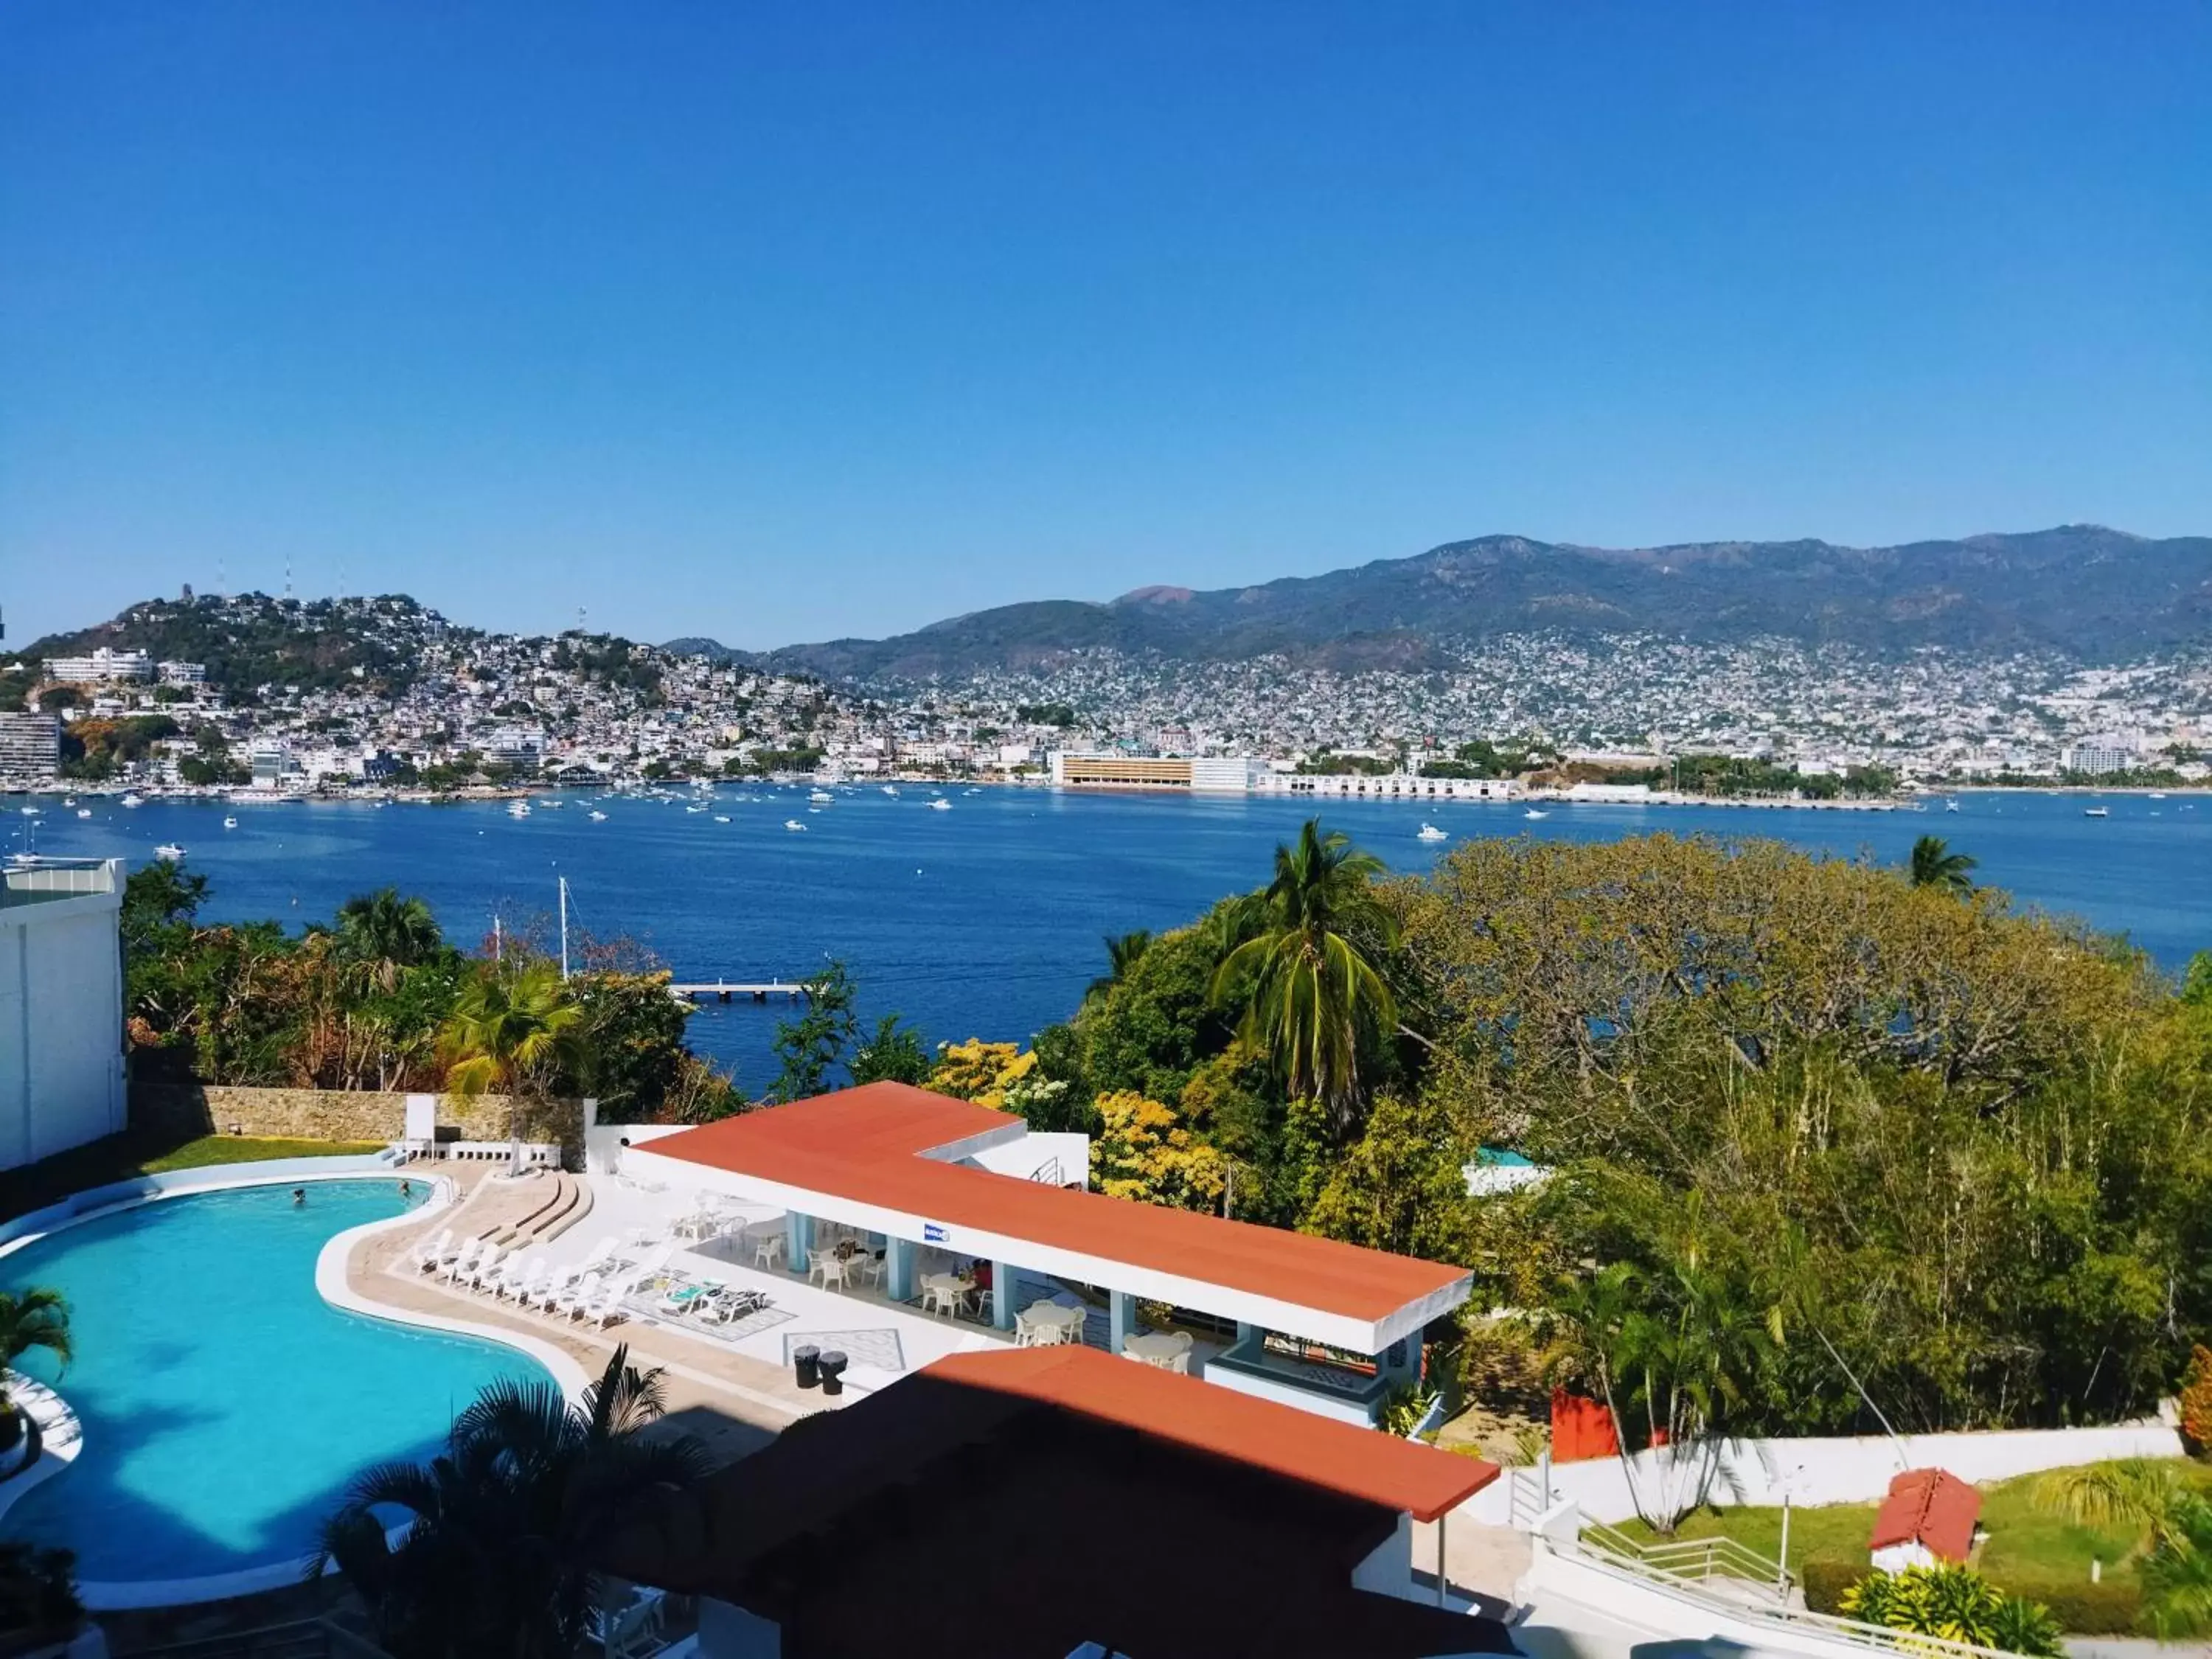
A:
[171,851]
[84,812]
[1534,814]
[1950,805]
[599,816]
[28,811]
[890,789]
[2157,794]
[1430,832]
[793,824]
[2096,812]
[721,817]
[134,800]
[695,809]
[940,804]
[518,808]
[230,824]
[820,796]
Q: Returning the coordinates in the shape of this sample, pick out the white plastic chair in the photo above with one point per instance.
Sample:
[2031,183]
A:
[523,1277]
[432,1251]
[464,1259]
[826,1265]
[570,1302]
[480,1276]
[768,1249]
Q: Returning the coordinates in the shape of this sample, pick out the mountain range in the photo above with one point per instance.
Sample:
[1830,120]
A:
[2083,590]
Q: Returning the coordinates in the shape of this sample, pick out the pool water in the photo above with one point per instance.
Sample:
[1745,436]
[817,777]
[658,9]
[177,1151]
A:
[226,1405]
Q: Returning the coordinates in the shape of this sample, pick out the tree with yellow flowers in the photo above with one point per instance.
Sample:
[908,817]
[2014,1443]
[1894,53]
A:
[980,1071]
[1142,1152]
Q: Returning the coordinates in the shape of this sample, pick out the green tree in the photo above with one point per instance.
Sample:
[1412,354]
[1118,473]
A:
[1122,950]
[893,1054]
[1935,864]
[33,1318]
[386,934]
[507,1529]
[157,897]
[809,1048]
[514,1028]
[1954,1604]
[1309,992]
[1400,1186]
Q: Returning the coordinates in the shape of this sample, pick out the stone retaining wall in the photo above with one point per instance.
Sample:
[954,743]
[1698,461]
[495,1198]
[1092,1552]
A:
[346,1114]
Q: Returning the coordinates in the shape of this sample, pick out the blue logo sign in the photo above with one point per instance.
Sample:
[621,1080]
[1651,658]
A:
[934,1233]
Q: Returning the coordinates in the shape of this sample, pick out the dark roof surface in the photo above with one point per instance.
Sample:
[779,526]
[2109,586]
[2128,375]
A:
[992,1506]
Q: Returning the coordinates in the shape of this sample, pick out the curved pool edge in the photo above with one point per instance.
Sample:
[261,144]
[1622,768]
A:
[61,1435]
[331,1284]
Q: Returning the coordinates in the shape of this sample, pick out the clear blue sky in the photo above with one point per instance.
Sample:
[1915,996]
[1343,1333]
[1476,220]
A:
[780,322]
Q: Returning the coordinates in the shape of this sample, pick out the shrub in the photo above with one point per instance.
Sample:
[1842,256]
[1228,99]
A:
[2197,1402]
[1956,1604]
[2113,1608]
[1826,1578]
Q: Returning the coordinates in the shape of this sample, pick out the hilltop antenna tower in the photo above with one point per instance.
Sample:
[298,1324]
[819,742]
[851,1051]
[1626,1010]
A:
[580,619]
[288,578]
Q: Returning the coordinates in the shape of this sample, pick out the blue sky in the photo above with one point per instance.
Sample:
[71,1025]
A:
[786,322]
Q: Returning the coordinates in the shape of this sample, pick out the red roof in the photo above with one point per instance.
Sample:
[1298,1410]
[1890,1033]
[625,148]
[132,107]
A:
[1301,1445]
[1932,1507]
[867,1144]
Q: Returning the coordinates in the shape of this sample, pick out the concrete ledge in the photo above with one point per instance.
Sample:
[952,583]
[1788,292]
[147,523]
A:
[61,1435]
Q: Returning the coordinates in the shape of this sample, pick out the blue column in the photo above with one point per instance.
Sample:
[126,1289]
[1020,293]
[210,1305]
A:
[797,1240]
[1002,1295]
[1246,1332]
[1121,1319]
[898,1270]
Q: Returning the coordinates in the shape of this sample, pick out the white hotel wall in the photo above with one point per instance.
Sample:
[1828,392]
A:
[61,1025]
[1756,1472]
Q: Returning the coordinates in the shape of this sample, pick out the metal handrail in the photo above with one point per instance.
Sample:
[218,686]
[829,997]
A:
[1717,1557]
[1856,1633]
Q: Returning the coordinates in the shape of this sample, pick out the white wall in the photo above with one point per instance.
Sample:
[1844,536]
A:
[1024,1157]
[603,1142]
[61,1025]
[1849,1470]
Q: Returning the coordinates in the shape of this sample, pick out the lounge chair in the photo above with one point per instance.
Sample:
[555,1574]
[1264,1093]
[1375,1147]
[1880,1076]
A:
[730,1306]
[430,1252]
[606,1307]
[571,1301]
[522,1277]
[464,1258]
[549,1289]
[487,1269]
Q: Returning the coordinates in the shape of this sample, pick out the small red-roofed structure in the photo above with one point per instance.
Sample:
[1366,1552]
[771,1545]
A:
[1927,1520]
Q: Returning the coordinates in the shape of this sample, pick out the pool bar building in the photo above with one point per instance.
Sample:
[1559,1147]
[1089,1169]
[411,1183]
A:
[919,1177]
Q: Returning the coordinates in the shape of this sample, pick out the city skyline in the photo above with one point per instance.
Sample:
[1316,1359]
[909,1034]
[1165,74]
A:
[842,326]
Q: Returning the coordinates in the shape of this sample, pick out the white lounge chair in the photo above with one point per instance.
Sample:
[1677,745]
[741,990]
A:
[549,1289]
[525,1278]
[571,1302]
[430,1252]
[480,1276]
[464,1258]
[605,1308]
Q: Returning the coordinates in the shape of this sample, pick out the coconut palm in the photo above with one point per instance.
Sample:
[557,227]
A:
[1121,953]
[1935,864]
[34,1318]
[513,1028]
[1309,992]
[505,1528]
[388,933]
[2175,1550]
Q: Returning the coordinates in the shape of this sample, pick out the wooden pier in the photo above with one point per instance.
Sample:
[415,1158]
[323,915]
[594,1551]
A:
[728,990]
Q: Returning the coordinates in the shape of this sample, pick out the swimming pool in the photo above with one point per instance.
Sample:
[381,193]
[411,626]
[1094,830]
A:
[225,1404]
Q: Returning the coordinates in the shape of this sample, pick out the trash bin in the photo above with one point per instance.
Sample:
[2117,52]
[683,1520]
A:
[833,1372]
[805,1360]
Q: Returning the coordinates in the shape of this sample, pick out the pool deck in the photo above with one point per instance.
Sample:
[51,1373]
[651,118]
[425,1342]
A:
[733,1395]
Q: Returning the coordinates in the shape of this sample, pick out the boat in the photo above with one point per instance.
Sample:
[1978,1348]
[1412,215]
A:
[1950,805]
[2157,794]
[69,800]
[134,800]
[28,811]
[2096,812]
[84,812]
[518,808]
[721,817]
[171,851]
[230,824]
[1534,812]
[599,816]
[793,824]
[820,795]
[1430,832]
[940,804]
[695,809]
[892,789]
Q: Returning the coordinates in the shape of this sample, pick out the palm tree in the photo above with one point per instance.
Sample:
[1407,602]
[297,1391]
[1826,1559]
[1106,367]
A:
[505,1529]
[1935,864]
[1121,953]
[513,1028]
[2175,1550]
[36,1318]
[1309,991]
[388,932]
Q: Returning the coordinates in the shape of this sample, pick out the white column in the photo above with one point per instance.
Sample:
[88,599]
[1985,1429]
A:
[1121,1319]
[1002,1295]
[898,1269]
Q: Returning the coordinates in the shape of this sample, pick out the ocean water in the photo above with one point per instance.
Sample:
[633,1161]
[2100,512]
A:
[986,918]
[226,1405]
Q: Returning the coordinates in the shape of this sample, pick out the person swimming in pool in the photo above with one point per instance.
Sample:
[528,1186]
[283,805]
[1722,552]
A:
[406,1189]
[299,1198]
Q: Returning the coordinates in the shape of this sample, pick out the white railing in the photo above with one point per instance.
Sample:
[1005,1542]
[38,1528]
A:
[1694,1558]
[1048,1173]
[1818,1625]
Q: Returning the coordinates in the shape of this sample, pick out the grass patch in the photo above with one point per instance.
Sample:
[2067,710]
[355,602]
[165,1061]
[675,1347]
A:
[119,1157]
[2027,1547]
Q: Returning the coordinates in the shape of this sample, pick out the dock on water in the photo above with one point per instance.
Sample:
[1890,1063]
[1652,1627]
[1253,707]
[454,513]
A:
[728,990]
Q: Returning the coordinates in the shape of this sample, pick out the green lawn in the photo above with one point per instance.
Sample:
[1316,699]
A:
[119,1158]
[2024,1540]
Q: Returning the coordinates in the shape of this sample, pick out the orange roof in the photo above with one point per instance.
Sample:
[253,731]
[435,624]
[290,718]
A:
[867,1144]
[1378,1469]
[1928,1506]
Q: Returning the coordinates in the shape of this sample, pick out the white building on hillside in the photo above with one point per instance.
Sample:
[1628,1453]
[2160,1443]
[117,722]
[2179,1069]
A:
[30,747]
[103,664]
[61,1007]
